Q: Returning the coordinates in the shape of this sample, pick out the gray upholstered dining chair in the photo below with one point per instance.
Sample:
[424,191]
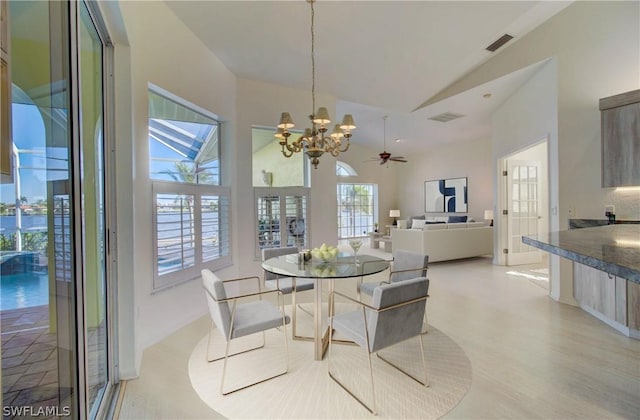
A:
[395,315]
[406,265]
[242,319]
[286,284]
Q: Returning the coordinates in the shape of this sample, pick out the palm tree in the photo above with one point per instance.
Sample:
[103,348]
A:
[188,173]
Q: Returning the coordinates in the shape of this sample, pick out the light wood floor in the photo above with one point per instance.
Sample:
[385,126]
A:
[531,356]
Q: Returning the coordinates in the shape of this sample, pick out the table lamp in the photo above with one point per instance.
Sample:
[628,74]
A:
[395,214]
[488,215]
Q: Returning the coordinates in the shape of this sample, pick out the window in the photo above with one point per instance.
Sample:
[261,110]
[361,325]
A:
[344,169]
[191,211]
[281,217]
[356,209]
[184,141]
[270,167]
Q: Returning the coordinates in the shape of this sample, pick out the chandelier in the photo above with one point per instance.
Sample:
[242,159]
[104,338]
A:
[315,141]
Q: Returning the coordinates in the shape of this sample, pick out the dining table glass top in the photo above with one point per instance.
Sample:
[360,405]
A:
[343,266]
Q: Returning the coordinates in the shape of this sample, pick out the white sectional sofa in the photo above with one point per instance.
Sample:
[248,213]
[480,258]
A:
[446,241]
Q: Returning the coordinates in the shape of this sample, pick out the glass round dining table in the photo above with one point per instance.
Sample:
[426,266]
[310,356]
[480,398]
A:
[342,267]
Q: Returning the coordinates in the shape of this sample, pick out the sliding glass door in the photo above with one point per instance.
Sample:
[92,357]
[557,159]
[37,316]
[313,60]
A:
[92,160]
[55,286]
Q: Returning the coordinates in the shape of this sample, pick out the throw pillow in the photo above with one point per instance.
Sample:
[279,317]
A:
[457,219]
[417,224]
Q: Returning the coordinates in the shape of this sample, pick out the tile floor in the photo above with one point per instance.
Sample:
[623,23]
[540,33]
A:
[29,358]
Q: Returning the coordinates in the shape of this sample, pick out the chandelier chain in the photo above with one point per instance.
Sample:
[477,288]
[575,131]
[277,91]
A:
[316,140]
[313,62]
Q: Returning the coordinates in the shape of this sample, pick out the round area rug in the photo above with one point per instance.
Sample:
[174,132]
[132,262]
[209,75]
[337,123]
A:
[306,390]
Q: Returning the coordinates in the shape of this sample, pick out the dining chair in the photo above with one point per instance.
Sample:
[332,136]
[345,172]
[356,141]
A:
[406,265]
[287,285]
[394,315]
[234,320]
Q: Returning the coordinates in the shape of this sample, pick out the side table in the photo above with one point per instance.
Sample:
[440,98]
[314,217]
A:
[374,241]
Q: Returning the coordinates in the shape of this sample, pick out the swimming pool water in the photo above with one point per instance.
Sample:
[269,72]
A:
[23,290]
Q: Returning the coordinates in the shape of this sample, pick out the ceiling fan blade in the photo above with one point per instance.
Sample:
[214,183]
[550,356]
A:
[398,159]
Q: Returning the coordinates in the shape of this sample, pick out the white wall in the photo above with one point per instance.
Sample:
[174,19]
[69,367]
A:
[471,159]
[526,118]
[597,50]
[178,62]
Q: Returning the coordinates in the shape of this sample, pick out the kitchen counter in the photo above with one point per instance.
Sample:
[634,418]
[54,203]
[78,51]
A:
[614,249]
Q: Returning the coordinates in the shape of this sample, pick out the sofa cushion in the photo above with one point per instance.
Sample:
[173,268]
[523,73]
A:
[444,219]
[457,219]
[475,224]
[435,226]
[457,225]
[402,224]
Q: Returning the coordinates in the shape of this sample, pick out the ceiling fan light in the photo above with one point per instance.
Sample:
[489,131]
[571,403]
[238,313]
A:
[322,116]
[347,122]
[285,121]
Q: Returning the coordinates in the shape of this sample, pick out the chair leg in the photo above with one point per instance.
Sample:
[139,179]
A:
[424,365]
[343,386]
[425,323]
[226,358]
[373,390]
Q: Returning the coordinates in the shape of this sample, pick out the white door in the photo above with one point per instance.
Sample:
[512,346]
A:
[523,205]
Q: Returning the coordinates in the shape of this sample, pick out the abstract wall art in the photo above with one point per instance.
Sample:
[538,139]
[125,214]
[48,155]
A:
[446,195]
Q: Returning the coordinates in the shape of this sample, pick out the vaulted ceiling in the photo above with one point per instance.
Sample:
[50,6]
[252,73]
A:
[378,57]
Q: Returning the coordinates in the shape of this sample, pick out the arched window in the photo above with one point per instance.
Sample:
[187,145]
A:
[344,169]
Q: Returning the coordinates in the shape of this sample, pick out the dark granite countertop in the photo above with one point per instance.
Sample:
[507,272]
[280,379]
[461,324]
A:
[614,249]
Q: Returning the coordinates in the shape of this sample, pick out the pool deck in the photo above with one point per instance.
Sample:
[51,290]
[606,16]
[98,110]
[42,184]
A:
[29,358]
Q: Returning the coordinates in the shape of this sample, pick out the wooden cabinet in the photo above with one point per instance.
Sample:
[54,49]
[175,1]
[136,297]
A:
[620,131]
[6,148]
[608,297]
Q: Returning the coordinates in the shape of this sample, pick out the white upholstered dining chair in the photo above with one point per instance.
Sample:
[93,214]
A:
[395,315]
[234,320]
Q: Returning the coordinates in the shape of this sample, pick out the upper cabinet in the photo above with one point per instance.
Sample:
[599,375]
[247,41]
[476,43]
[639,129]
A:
[6,153]
[620,119]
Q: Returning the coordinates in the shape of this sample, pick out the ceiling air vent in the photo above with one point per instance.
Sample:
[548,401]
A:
[446,117]
[499,42]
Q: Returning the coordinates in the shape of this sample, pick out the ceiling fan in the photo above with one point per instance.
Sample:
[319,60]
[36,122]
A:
[385,156]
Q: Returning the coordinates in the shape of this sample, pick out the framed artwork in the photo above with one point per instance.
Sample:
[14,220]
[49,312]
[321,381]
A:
[446,195]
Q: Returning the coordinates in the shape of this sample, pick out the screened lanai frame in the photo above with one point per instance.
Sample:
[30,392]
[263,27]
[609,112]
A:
[184,140]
